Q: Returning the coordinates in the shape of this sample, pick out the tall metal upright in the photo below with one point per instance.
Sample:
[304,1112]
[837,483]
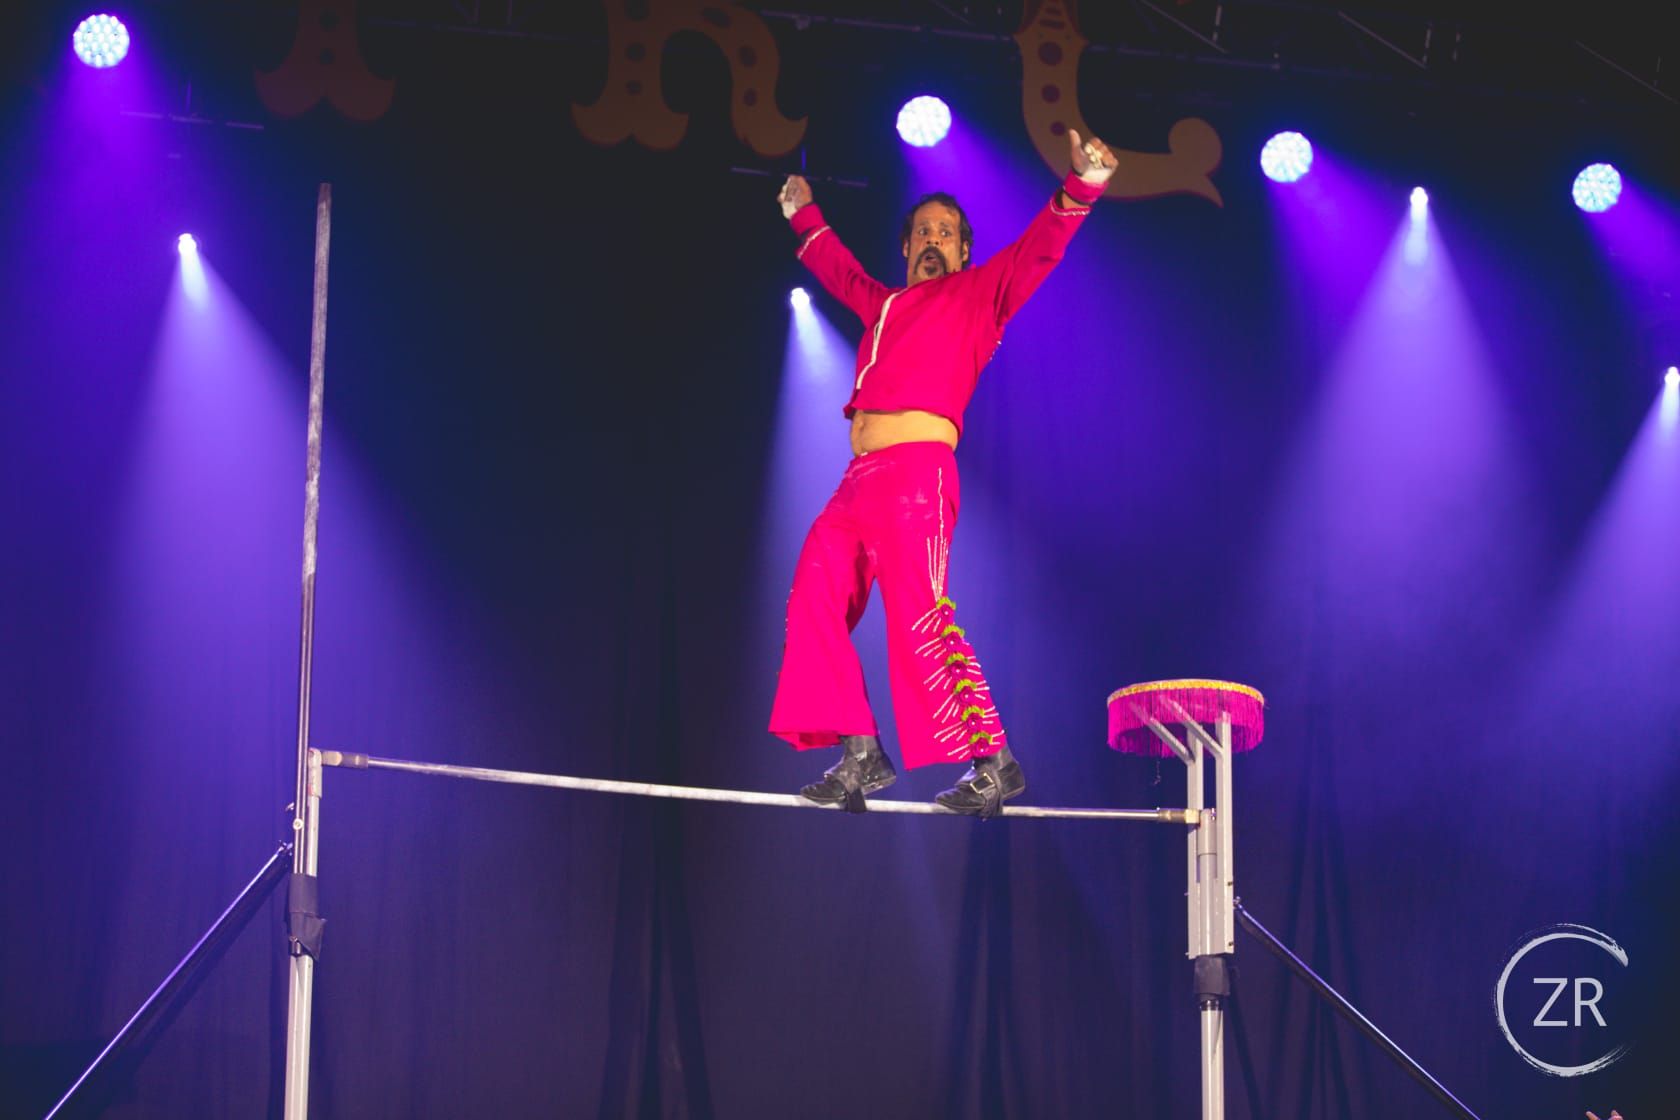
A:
[1211,891]
[1210,888]
[303,918]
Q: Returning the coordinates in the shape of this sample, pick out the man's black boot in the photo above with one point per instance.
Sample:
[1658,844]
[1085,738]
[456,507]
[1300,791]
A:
[988,784]
[863,768]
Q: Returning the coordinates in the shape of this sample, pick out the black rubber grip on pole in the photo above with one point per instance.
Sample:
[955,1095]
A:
[1213,977]
[304,923]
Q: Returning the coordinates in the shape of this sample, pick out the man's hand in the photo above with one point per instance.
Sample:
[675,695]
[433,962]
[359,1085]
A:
[1092,161]
[1614,1115]
[796,192]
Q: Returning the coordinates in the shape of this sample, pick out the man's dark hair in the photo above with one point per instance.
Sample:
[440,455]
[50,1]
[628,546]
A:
[965,233]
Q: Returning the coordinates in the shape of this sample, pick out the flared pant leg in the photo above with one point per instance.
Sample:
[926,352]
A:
[820,693]
[890,521]
[942,703]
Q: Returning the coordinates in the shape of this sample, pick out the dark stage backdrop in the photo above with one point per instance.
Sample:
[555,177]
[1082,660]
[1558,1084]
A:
[1426,506]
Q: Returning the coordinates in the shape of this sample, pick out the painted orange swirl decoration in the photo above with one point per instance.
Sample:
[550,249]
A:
[325,62]
[1050,48]
[633,103]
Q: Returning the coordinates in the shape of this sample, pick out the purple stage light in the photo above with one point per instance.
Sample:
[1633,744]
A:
[799,299]
[186,243]
[100,41]
[1420,201]
[1597,188]
[924,121]
[1286,157]
[1672,377]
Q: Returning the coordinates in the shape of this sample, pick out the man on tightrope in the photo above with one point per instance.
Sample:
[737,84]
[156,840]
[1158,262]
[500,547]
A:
[891,519]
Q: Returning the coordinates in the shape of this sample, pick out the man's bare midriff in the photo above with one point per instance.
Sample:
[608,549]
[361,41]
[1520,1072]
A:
[873,431]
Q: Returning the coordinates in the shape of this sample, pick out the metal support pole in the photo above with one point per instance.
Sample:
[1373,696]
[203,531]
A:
[1211,895]
[300,996]
[305,943]
[1223,794]
[1210,888]
[1209,963]
[1213,1060]
[1195,797]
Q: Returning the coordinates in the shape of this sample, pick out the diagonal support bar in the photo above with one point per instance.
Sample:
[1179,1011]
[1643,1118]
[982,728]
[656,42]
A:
[1352,1014]
[1167,737]
[233,919]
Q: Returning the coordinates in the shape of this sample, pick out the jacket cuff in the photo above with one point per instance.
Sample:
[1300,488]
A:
[806,218]
[1073,186]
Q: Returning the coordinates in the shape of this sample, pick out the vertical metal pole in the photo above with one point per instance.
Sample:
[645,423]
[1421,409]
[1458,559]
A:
[1213,1061]
[1208,882]
[1227,840]
[301,993]
[304,806]
[1208,954]
[1193,800]
[1210,909]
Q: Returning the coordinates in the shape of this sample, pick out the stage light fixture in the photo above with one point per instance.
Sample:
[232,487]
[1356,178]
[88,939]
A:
[1286,157]
[799,299]
[924,121]
[194,281]
[1420,201]
[1597,188]
[100,41]
[1672,377]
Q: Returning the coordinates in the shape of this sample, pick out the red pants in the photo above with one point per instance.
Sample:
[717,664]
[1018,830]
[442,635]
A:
[890,521]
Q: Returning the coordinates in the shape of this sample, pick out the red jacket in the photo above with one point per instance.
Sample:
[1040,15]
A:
[927,343]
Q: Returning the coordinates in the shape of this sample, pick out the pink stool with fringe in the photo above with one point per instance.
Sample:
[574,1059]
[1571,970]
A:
[1220,719]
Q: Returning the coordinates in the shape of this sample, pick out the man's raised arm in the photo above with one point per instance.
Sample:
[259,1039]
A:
[1017,270]
[821,251]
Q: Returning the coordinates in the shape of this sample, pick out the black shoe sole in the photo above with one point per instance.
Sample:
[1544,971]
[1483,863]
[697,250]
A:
[869,788]
[974,810]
